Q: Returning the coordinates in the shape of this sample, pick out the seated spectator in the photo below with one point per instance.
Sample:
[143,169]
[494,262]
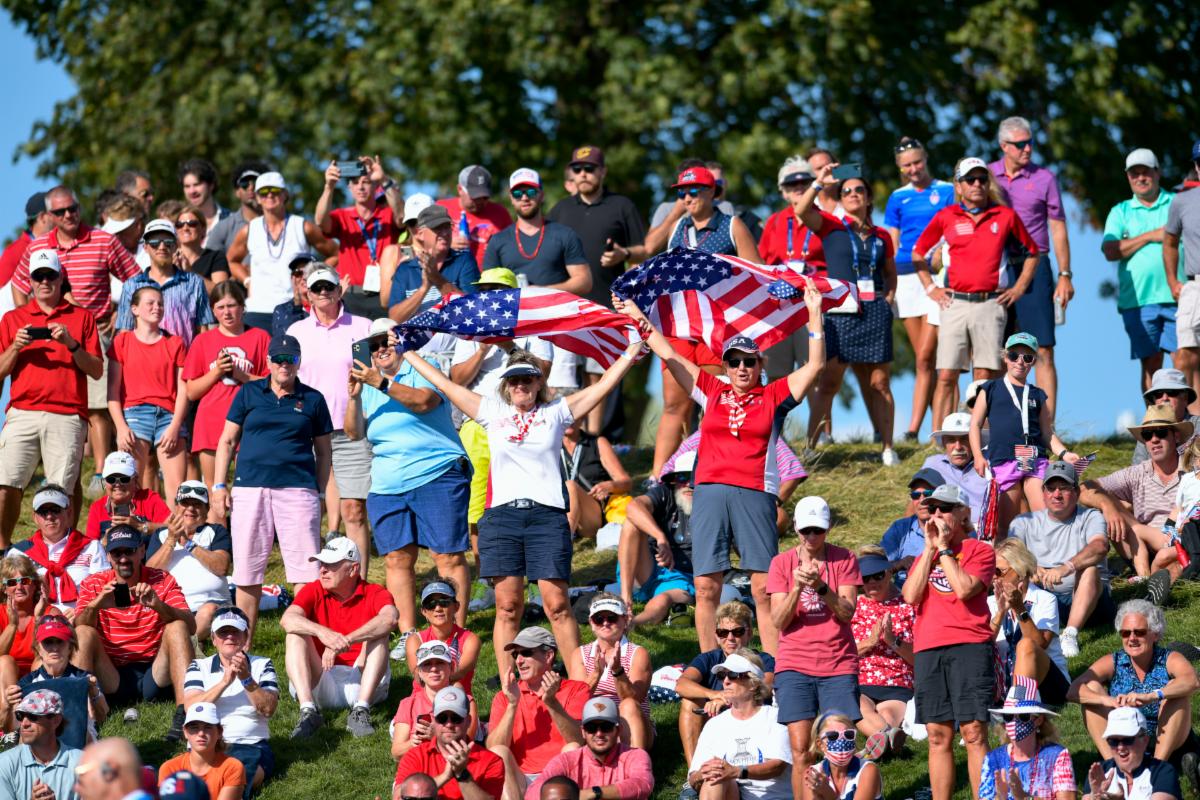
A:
[1070,545]
[411,726]
[1025,619]
[461,768]
[1168,388]
[337,630]
[883,632]
[654,553]
[23,604]
[596,480]
[41,767]
[955,463]
[904,539]
[743,751]
[604,763]
[1029,752]
[701,688]
[124,502]
[196,552]
[181,785]
[616,668]
[439,606]
[134,628]
[62,554]
[80,692]
[560,787]
[417,786]
[245,691]
[1129,772]
[1159,682]
[206,757]
[836,772]
[536,714]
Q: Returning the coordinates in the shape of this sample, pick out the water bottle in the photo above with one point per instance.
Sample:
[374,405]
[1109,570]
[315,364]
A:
[464,227]
[1060,313]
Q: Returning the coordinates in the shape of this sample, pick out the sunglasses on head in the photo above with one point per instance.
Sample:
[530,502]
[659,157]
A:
[44,276]
[188,223]
[270,191]
[1021,145]
[605,619]
[1138,632]
[285,358]
[599,726]
[25,715]
[580,169]
[874,576]
[911,144]
[117,480]
[691,191]
[920,494]
[437,602]
[24,580]
[1120,741]
[520,194]
[832,736]
[737,633]
[973,179]
[191,493]
[742,361]
[1024,358]
[849,190]
[154,244]
[322,287]
[449,718]
[62,212]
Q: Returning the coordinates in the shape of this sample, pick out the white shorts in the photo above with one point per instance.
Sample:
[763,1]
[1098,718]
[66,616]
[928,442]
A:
[338,687]
[1187,316]
[564,370]
[911,300]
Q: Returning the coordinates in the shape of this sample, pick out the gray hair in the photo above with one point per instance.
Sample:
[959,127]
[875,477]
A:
[59,191]
[1156,621]
[127,180]
[1011,124]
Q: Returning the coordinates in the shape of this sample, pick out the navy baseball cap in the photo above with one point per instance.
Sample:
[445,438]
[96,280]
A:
[36,204]
[284,345]
[123,537]
[928,475]
[743,343]
[872,564]
[183,785]
[1196,150]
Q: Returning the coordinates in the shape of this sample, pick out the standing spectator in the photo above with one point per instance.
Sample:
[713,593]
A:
[206,757]
[837,772]
[1032,191]
[337,631]
[63,555]
[904,539]
[125,502]
[1169,388]
[420,481]
[48,410]
[268,246]
[185,298]
[1183,226]
[283,429]
[41,766]
[952,638]
[218,363]
[461,769]
[813,588]
[136,640]
[206,262]
[596,480]
[1029,763]
[136,184]
[909,210]
[1133,236]
[405,246]
[476,218]
[199,179]
[974,305]
[1129,771]
[363,230]
[38,222]
[435,271]
[956,463]
[439,605]
[221,236]
[328,335]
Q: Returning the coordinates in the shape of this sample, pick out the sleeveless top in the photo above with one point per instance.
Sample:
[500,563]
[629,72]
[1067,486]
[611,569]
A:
[607,687]
[455,643]
[1004,420]
[852,774]
[716,239]
[585,462]
[1039,775]
[270,280]
[1125,680]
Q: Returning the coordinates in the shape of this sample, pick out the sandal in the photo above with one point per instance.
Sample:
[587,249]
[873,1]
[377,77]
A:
[876,746]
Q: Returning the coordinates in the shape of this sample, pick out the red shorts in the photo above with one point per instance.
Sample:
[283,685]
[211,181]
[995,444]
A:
[696,352]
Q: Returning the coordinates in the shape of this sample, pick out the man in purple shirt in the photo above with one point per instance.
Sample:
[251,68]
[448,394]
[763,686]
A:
[1033,194]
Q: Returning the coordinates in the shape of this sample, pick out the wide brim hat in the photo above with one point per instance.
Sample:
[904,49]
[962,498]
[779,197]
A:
[1162,417]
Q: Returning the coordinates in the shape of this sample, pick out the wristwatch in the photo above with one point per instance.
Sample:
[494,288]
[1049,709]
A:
[617,670]
[384,383]
[823,589]
[1023,616]
[744,774]
[464,776]
[597,793]
[249,683]
[946,552]
[387,185]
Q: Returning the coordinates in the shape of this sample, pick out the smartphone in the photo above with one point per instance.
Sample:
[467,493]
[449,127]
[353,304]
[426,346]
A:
[122,510]
[350,169]
[424,719]
[361,351]
[121,597]
[844,172]
[406,252]
[39,333]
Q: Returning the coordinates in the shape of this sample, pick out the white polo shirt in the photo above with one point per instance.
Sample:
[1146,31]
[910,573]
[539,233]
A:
[240,721]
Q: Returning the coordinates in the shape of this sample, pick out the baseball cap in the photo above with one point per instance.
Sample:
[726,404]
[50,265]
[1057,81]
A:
[1125,721]
[500,275]
[1061,470]
[587,155]
[949,493]
[695,176]
[451,698]
[437,588]
[54,628]
[183,785]
[192,490]
[812,512]
[1141,157]
[159,226]
[41,702]
[602,709]
[322,273]
[269,180]
[380,327]
[1196,150]
[433,216]
[202,712]
[414,204]
[525,177]
[434,651]
[36,204]
[283,345]
[795,171]
[115,226]
[956,424]
[230,617]
[738,665]
[532,637]
[119,462]
[1022,339]
[613,604]
[967,165]
[684,465]
[44,259]
[476,181]
[247,173]
[47,497]
[743,343]
[124,537]
[927,475]
[514,370]
[339,548]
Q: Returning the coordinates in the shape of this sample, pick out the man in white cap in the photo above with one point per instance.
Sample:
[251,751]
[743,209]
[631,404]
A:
[40,767]
[1169,387]
[243,176]
[125,502]
[604,766]
[337,631]
[461,768]
[476,218]
[64,555]
[1133,235]
[955,464]
[1130,773]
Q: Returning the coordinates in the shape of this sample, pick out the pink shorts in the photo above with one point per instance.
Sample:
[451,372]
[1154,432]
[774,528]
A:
[258,515]
[1006,474]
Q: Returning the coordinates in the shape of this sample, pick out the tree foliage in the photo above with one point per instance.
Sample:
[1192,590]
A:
[434,86]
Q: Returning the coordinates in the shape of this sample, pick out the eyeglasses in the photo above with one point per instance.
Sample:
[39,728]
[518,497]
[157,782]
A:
[521,380]
[940,508]
[737,633]
[811,531]
[285,358]
[972,179]
[691,191]
[744,361]
[599,726]
[188,223]
[154,244]
[48,511]
[44,276]
[875,576]
[1138,632]
[911,144]
[849,190]
[62,212]
[449,718]
[322,287]
[1021,145]
[25,715]
[24,580]
[117,480]
[1120,741]
[270,191]
[1023,358]
[437,602]
[920,494]
[605,619]
[520,194]
[832,736]
[580,169]
[1155,433]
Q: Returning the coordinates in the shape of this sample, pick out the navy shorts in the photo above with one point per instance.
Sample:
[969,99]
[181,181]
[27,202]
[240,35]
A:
[1102,614]
[253,756]
[882,694]
[532,543]
[1035,308]
[1151,330]
[954,683]
[724,517]
[433,516]
[137,684]
[802,697]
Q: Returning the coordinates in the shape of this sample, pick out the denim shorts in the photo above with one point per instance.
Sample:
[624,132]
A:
[800,696]
[433,516]
[149,422]
[532,543]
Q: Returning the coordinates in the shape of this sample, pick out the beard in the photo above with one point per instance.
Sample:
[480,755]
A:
[684,501]
[531,213]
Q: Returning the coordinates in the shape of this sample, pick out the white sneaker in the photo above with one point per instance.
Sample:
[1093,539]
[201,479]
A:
[398,652]
[890,459]
[824,439]
[1069,641]
[486,601]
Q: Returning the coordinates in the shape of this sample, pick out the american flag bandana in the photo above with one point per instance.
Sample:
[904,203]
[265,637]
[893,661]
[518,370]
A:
[737,409]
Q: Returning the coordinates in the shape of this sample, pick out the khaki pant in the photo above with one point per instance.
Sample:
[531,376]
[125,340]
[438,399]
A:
[56,440]
[971,334]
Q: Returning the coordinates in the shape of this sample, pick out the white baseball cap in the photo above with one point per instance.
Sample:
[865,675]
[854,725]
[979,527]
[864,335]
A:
[525,177]
[414,204]
[337,549]
[967,164]
[612,604]
[202,712]
[270,180]
[322,274]
[1142,157]
[159,226]
[812,512]
[44,259]
[120,463]
[1125,721]
[53,496]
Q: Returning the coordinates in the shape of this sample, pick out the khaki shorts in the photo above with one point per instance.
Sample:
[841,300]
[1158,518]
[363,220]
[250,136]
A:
[351,466]
[971,334]
[1187,317]
[98,387]
[56,440]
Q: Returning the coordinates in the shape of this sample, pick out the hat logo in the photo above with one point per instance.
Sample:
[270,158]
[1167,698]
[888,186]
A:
[583,152]
[688,176]
[598,706]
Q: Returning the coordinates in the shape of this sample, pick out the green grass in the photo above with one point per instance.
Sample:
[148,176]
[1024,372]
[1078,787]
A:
[865,498]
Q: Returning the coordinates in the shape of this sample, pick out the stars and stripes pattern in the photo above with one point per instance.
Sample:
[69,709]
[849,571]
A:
[561,318]
[703,297]
[1083,463]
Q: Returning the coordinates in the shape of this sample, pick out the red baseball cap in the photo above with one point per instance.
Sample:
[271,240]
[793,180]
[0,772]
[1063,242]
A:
[695,176]
[54,629]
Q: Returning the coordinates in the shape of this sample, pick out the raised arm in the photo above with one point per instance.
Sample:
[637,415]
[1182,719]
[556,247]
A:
[463,398]
[321,214]
[807,209]
[682,370]
[803,378]
[585,400]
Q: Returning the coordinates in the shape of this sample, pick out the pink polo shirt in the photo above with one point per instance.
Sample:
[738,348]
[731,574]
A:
[627,768]
[325,357]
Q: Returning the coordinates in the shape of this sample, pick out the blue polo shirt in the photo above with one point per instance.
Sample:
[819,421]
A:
[19,770]
[277,435]
[459,269]
[410,449]
[707,661]
[909,210]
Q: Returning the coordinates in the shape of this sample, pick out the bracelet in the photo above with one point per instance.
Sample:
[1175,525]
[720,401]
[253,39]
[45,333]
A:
[74,349]
[219,486]
[945,552]
[190,546]
[816,335]
[1064,273]
[929,289]
[387,185]
[1061,453]
[1160,694]
[249,683]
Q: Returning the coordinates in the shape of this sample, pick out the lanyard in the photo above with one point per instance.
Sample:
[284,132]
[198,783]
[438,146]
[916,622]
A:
[1022,406]
[854,248]
[803,247]
[370,235]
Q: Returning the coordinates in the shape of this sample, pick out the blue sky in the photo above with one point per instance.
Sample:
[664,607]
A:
[1098,382]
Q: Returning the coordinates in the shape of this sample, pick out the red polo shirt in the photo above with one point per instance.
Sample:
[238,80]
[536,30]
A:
[88,262]
[45,377]
[747,459]
[485,767]
[773,246]
[535,740]
[12,256]
[977,243]
[343,616]
[357,237]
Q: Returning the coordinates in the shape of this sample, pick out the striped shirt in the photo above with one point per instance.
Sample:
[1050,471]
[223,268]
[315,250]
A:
[134,634]
[241,722]
[185,304]
[607,687]
[88,263]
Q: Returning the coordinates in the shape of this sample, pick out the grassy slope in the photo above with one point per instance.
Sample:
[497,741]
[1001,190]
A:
[865,497]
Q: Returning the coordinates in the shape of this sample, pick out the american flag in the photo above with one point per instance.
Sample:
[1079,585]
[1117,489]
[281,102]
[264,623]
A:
[561,318]
[1083,463]
[710,298]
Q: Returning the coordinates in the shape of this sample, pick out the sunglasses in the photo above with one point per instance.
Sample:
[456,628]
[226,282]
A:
[24,580]
[188,223]
[48,511]
[285,358]
[521,194]
[920,494]
[793,186]
[62,212]
[940,508]
[605,619]
[44,276]
[1138,632]
[378,344]
[691,191]
[1172,393]
[849,190]
[269,192]
[449,718]
[42,620]
[599,726]
[25,715]
[580,169]
[737,677]
[154,244]
[246,183]
[744,361]
[525,653]
[1023,358]
[322,287]
[679,483]
[875,576]
[832,736]
[438,602]
[1021,145]
[1155,433]
[973,179]
[117,480]
[911,144]
[811,531]
[1120,741]
[521,380]
[1059,487]
[725,633]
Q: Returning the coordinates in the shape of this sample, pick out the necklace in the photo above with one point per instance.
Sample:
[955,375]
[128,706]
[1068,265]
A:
[521,250]
[272,241]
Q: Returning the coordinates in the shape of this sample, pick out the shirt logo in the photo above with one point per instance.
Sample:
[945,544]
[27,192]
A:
[934,197]
[964,228]
[995,228]
[939,581]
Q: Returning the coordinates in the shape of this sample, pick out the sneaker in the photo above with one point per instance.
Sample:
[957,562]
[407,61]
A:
[9,740]
[398,652]
[1190,767]
[890,459]
[130,716]
[310,721]
[876,746]
[359,722]
[1188,651]
[911,436]
[483,602]
[175,732]
[1158,587]
[94,488]
[686,792]
[824,439]
[1069,641]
